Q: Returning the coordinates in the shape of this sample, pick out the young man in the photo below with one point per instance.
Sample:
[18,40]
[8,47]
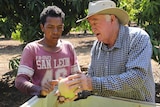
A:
[120,58]
[45,60]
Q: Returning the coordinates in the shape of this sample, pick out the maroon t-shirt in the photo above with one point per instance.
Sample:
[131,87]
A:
[38,65]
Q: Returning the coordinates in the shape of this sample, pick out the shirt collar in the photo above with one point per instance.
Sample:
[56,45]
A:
[119,40]
[118,43]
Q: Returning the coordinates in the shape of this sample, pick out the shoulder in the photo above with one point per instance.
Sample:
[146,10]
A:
[136,32]
[31,46]
[138,37]
[66,43]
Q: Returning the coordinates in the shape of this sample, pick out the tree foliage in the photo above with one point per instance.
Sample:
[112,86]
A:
[146,13]
[26,14]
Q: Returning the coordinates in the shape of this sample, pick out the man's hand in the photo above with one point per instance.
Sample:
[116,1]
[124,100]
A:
[86,82]
[79,82]
[48,87]
[72,82]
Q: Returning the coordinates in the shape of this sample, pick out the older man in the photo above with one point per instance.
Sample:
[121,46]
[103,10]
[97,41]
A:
[120,57]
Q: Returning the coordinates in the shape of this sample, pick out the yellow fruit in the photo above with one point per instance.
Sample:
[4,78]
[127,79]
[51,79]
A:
[64,89]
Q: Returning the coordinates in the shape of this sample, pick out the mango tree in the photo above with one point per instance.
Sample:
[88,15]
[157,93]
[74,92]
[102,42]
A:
[146,13]
[25,14]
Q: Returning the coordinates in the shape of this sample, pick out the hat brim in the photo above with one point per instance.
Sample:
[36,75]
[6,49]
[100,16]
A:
[119,13]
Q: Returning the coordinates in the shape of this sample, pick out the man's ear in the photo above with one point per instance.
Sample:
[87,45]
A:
[42,27]
[113,18]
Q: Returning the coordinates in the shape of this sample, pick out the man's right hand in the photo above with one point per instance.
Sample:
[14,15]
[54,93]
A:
[48,87]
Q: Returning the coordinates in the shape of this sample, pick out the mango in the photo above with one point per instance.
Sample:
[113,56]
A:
[64,89]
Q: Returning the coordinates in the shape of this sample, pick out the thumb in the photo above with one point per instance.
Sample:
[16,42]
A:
[57,93]
[54,82]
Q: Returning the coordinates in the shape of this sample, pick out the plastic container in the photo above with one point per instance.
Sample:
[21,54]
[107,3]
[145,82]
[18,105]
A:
[91,101]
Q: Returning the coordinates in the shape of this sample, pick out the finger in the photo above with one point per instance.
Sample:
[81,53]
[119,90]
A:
[75,97]
[60,99]
[71,77]
[67,100]
[47,90]
[57,93]
[51,84]
[73,87]
[78,90]
[43,92]
[47,87]
[71,99]
[73,82]
[54,82]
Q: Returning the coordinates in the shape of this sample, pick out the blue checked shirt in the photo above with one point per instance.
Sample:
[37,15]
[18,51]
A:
[125,69]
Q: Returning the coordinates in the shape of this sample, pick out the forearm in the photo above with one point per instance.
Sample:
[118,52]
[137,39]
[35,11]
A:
[23,84]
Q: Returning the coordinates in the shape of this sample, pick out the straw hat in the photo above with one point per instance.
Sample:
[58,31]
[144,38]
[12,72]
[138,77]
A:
[106,7]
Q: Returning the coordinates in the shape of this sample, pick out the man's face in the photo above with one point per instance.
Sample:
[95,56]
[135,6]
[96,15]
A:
[52,29]
[101,27]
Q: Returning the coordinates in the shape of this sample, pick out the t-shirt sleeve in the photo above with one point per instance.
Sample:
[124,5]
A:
[27,61]
[25,73]
[75,67]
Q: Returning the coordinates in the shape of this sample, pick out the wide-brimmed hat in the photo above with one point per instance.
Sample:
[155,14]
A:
[106,7]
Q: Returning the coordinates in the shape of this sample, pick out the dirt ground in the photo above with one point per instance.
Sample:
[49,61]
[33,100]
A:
[10,96]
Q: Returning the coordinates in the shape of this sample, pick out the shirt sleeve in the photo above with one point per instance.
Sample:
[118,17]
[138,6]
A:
[28,57]
[25,73]
[75,67]
[23,84]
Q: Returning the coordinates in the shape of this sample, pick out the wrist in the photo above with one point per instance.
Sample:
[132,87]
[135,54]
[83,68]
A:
[89,80]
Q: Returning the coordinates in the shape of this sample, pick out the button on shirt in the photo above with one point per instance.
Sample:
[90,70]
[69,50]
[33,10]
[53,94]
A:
[125,69]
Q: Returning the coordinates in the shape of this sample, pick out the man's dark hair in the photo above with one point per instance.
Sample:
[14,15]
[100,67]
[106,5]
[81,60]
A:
[52,11]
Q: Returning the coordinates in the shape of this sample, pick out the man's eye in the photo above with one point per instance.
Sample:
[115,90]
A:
[50,27]
[60,27]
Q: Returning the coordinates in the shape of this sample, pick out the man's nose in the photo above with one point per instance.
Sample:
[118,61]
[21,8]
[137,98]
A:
[55,30]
